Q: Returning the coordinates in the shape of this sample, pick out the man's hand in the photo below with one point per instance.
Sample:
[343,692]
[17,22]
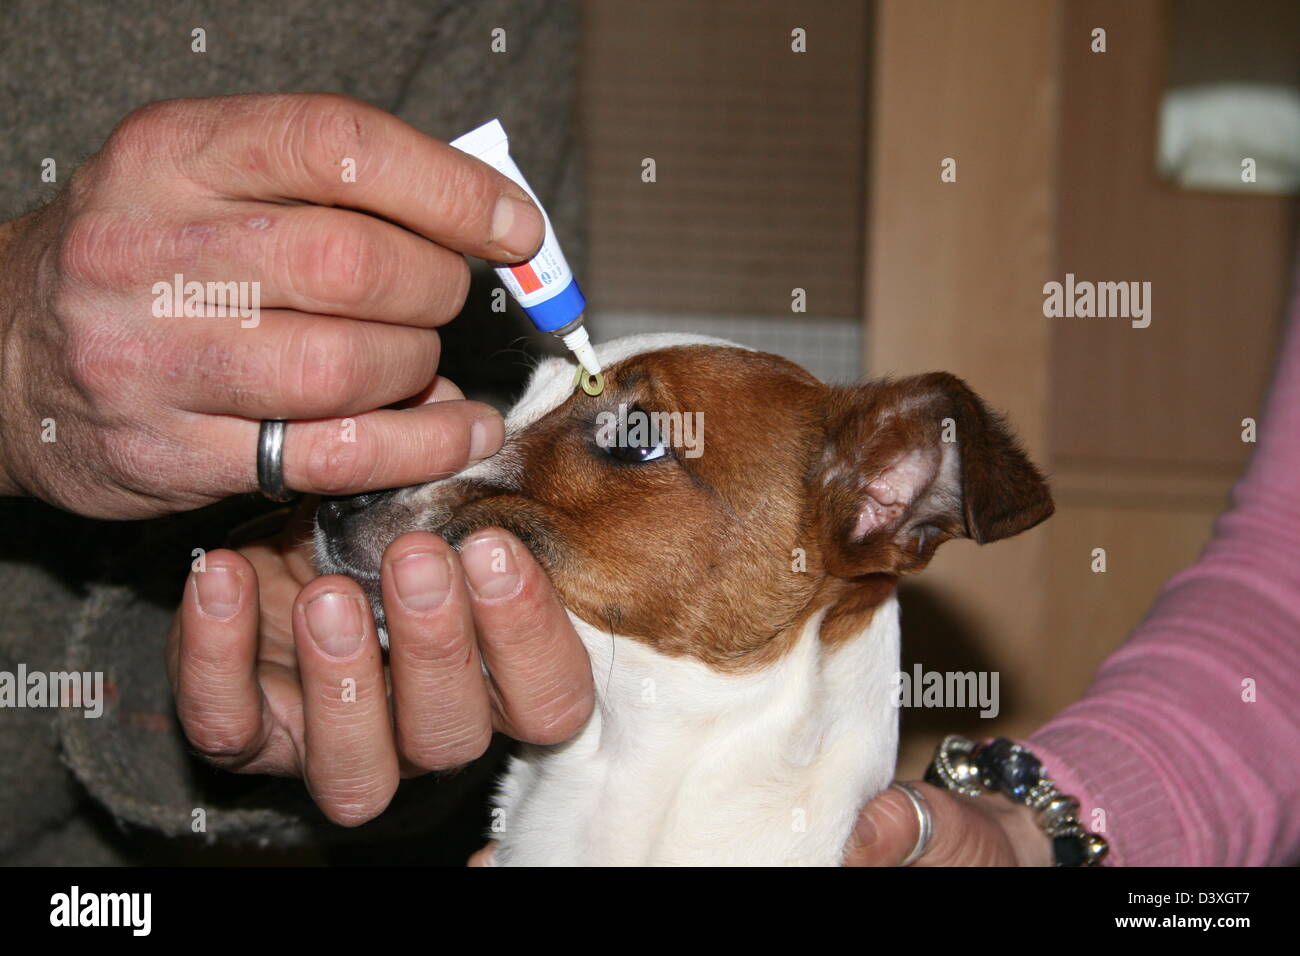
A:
[275,672]
[987,830]
[351,222]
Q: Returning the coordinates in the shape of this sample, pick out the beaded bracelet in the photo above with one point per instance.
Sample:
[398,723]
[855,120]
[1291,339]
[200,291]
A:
[1000,765]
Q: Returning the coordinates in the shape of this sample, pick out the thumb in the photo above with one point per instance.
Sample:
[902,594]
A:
[886,831]
[962,834]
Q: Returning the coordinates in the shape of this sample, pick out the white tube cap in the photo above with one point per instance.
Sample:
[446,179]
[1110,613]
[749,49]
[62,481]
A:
[579,344]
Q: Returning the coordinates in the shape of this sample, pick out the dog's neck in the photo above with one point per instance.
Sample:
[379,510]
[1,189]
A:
[683,764]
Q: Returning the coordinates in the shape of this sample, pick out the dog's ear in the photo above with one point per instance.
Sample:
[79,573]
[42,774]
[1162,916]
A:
[909,464]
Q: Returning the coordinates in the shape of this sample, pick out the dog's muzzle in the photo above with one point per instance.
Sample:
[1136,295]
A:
[334,515]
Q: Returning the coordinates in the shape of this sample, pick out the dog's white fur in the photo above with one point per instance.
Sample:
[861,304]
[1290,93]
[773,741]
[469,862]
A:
[681,764]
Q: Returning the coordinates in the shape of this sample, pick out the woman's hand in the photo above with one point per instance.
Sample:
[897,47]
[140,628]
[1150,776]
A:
[987,830]
[280,672]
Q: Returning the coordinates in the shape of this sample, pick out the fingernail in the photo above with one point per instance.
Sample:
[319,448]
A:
[490,568]
[219,591]
[516,226]
[482,439]
[335,624]
[423,580]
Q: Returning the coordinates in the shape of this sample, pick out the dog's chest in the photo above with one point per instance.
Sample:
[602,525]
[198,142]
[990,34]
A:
[682,765]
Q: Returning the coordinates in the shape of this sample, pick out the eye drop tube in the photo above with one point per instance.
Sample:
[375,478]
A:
[544,285]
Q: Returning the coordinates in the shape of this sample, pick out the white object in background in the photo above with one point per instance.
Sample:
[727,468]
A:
[1206,132]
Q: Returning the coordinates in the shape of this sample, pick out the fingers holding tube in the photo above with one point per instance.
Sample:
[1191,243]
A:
[393,171]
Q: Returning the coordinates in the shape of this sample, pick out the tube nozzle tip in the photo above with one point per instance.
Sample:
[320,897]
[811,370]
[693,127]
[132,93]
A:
[587,356]
[578,343]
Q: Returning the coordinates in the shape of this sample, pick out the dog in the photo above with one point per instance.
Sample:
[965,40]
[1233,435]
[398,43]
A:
[736,595]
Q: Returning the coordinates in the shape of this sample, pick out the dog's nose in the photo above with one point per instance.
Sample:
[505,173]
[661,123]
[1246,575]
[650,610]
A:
[333,513]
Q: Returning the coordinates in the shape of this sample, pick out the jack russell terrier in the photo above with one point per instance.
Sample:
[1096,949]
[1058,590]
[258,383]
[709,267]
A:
[736,595]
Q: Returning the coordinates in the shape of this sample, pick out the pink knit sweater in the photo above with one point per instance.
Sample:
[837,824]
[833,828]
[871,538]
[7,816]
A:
[1188,769]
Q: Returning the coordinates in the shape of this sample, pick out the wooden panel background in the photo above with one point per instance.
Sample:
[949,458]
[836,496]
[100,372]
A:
[1146,423]
[954,279]
[1171,396]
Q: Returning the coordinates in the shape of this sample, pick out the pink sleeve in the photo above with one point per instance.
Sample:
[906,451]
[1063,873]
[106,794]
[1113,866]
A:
[1186,771]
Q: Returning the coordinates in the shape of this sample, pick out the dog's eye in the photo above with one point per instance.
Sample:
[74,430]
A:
[631,435]
[636,454]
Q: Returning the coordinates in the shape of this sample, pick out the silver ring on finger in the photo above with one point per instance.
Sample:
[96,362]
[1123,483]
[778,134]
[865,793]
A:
[924,821]
[270,460]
